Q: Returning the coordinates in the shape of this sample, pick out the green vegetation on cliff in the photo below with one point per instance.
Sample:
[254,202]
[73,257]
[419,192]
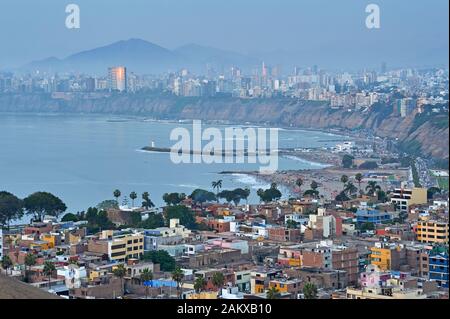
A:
[425,134]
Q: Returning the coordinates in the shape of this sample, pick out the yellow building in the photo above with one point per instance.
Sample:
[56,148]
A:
[101,271]
[74,238]
[290,256]
[386,257]
[50,239]
[40,245]
[203,295]
[124,245]
[431,231]
[97,273]
[259,280]
[286,286]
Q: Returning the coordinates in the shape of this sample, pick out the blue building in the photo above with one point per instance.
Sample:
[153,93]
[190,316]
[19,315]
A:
[372,216]
[438,268]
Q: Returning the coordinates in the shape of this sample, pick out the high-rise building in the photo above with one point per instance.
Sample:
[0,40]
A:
[383,67]
[90,84]
[117,78]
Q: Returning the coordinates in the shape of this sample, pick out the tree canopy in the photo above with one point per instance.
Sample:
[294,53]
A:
[40,204]
[202,196]
[269,195]
[173,198]
[11,208]
[183,213]
[235,195]
[161,257]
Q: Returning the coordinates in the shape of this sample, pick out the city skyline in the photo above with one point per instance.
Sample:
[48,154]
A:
[228,150]
[305,33]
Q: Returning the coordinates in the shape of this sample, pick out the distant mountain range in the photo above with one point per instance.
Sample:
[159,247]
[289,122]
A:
[141,57]
[144,57]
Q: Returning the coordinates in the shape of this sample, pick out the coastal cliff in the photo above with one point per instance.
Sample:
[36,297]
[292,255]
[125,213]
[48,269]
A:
[426,136]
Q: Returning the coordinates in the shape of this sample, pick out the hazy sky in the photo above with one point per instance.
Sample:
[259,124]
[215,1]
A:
[412,31]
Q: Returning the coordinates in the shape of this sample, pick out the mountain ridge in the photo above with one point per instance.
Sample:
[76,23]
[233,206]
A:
[142,56]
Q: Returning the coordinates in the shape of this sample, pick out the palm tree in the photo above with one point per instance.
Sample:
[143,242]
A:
[199,284]
[120,272]
[273,293]
[125,201]
[344,180]
[299,183]
[358,178]
[372,188]
[30,261]
[133,196]
[6,263]
[310,291]
[350,189]
[217,185]
[49,269]
[146,275]
[218,280]
[147,201]
[117,194]
[178,276]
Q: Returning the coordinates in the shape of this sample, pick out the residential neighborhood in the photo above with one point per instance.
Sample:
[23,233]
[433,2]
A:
[300,248]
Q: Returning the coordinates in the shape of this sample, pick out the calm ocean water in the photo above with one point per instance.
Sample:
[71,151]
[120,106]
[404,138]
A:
[83,158]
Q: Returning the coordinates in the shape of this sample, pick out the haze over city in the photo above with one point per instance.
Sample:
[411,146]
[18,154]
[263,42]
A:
[224,150]
[331,34]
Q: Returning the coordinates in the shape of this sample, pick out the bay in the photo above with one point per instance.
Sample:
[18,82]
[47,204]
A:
[83,158]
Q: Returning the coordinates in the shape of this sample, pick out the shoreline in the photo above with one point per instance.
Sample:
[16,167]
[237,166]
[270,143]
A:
[345,133]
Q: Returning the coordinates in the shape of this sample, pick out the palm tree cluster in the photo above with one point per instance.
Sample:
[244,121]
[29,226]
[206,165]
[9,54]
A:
[146,201]
[372,188]
[348,191]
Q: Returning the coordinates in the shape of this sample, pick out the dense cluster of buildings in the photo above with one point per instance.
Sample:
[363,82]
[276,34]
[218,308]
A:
[406,90]
[364,247]
[282,246]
